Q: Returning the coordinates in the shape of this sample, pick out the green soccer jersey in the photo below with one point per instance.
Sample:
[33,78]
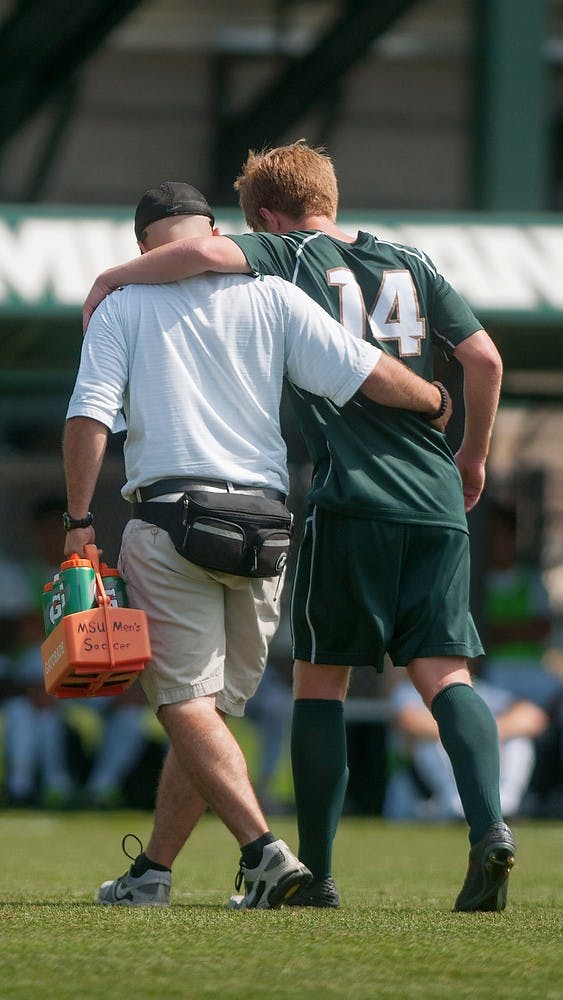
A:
[372,461]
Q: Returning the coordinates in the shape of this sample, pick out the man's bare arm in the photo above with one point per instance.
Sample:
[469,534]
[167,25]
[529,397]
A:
[522,718]
[84,445]
[170,262]
[391,383]
[416,722]
[482,377]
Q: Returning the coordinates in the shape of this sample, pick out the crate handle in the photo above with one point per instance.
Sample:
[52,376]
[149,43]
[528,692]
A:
[91,553]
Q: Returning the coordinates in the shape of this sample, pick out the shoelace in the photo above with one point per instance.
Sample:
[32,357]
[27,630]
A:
[124,849]
[126,852]
[239,877]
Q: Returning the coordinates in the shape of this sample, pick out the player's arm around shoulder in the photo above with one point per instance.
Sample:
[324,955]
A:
[170,262]
[482,378]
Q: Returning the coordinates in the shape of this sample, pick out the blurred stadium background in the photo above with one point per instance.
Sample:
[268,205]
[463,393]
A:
[445,121]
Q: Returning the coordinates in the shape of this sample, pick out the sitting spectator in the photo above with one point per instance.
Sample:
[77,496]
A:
[35,758]
[36,724]
[117,723]
[118,738]
[517,617]
[518,623]
[269,712]
[424,788]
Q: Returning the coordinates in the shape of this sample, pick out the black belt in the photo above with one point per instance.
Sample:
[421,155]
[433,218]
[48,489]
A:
[183,485]
[155,513]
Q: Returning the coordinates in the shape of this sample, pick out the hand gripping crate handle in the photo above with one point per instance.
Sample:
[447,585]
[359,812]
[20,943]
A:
[91,553]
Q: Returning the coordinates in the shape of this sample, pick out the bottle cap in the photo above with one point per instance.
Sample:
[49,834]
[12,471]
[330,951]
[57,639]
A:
[106,570]
[74,561]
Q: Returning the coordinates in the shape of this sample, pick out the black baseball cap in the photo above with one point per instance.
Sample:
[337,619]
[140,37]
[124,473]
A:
[171,198]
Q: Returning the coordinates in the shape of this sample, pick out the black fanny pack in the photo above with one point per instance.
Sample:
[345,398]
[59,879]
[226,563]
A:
[235,533]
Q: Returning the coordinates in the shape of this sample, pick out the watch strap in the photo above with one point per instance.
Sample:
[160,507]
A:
[69,523]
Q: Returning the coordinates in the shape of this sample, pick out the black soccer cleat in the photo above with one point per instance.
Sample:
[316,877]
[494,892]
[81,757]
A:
[322,893]
[490,864]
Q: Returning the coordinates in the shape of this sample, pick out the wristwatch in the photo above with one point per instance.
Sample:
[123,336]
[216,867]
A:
[77,522]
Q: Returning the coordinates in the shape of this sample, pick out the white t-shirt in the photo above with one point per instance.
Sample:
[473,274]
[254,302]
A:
[197,366]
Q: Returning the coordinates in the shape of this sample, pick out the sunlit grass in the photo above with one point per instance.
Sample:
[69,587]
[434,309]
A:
[394,936]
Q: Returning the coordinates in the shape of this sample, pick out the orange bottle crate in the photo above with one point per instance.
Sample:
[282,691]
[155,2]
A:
[96,652]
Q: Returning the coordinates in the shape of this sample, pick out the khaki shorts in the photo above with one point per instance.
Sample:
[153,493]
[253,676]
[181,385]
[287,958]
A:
[209,631]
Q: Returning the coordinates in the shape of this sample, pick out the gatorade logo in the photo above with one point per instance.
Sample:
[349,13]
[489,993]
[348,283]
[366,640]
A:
[56,610]
[54,657]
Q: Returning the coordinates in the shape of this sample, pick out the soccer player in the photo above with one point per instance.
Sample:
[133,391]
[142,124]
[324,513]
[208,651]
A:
[198,369]
[384,562]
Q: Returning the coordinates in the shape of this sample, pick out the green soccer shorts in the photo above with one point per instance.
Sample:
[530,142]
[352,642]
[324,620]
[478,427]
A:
[365,588]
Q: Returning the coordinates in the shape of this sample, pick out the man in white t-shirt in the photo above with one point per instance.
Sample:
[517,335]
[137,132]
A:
[196,368]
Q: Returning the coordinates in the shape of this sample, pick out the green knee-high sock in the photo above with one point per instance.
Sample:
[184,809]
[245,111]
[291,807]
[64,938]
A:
[469,736]
[320,776]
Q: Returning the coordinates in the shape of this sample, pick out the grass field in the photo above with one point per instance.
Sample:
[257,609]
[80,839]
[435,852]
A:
[394,936]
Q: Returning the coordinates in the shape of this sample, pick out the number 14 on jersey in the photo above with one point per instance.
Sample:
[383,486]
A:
[395,314]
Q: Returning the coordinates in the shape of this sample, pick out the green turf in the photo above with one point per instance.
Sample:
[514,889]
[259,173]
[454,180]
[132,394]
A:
[394,936]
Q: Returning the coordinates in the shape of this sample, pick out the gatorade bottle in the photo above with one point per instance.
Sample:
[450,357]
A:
[46,602]
[78,583]
[114,586]
[53,604]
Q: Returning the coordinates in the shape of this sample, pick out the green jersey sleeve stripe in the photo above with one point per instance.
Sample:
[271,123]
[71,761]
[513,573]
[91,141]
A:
[412,253]
[300,250]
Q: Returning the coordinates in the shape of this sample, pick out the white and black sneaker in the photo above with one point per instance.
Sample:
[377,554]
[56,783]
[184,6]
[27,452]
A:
[152,888]
[278,876]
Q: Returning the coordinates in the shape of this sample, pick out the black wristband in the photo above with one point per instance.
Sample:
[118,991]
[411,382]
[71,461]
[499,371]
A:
[443,405]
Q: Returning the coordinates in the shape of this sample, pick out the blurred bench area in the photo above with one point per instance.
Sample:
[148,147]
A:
[106,753]
[416,101]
